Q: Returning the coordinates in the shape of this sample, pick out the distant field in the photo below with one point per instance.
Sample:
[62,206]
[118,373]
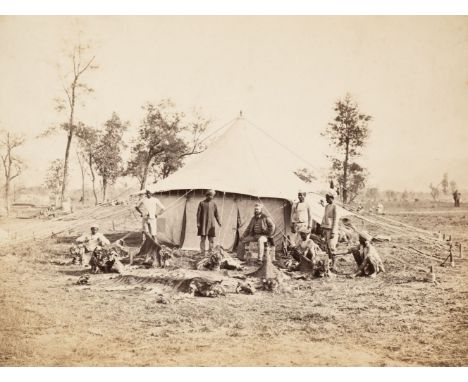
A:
[396,319]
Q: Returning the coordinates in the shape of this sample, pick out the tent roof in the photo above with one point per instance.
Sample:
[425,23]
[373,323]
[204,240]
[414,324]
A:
[243,160]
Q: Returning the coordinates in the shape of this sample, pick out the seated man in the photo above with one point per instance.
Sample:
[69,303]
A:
[367,257]
[259,230]
[88,243]
[305,247]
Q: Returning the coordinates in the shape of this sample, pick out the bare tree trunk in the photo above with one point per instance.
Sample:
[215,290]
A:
[81,162]
[7,196]
[93,179]
[145,174]
[65,168]
[104,189]
[345,173]
[9,161]
[69,140]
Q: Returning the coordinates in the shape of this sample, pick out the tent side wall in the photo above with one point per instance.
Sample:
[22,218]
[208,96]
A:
[178,224]
[171,224]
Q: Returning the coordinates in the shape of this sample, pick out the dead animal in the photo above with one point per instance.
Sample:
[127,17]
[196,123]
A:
[105,260]
[161,299]
[166,256]
[246,288]
[83,280]
[76,255]
[201,287]
[219,259]
[270,285]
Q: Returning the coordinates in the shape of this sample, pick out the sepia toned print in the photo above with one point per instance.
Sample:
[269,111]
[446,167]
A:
[233,191]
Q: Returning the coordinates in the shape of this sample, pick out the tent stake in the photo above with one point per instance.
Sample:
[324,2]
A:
[452,261]
[432,273]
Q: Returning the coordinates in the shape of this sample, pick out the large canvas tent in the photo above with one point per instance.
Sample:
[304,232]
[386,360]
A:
[244,165]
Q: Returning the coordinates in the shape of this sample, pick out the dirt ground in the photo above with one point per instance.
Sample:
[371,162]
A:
[397,319]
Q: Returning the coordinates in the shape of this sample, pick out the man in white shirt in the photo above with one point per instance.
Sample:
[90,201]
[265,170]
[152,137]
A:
[88,243]
[150,208]
[330,228]
[306,246]
[301,217]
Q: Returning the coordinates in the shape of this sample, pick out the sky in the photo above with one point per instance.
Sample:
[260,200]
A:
[285,73]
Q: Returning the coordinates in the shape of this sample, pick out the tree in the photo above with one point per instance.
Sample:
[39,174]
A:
[373,193]
[356,182]
[164,140]
[89,140]
[404,196]
[80,62]
[81,156]
[391,195]
[305,174]
[445,184]
[54,177]
[434,192]
[108,154]
[12,164]
[348,133]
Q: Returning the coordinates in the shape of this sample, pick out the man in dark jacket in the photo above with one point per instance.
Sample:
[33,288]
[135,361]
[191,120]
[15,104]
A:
[260,228]
[207,213]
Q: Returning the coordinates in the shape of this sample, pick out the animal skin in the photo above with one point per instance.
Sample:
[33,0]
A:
[270,285]
[202,288]
[246,288]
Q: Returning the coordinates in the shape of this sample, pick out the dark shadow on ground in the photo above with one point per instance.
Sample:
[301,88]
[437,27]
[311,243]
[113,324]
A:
[76,272]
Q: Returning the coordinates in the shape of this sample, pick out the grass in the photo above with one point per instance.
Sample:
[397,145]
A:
[396,319]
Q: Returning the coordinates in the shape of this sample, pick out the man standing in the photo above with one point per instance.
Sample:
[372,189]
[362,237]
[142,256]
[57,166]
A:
[260,228]
[149,209]
[456,198]
[301,217]
[207,213]
[330,229]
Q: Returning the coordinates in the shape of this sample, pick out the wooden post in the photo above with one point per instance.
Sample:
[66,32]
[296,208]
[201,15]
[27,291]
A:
[461,251]
[450,238]
[432,273]
[443,236]
[113,224]
[452,261]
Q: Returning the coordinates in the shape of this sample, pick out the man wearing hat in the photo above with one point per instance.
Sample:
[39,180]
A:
[150,208]
[259,230]
[301,217]
[207,216]
[367,258]
[88,243]
[306,246]
[330,227]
